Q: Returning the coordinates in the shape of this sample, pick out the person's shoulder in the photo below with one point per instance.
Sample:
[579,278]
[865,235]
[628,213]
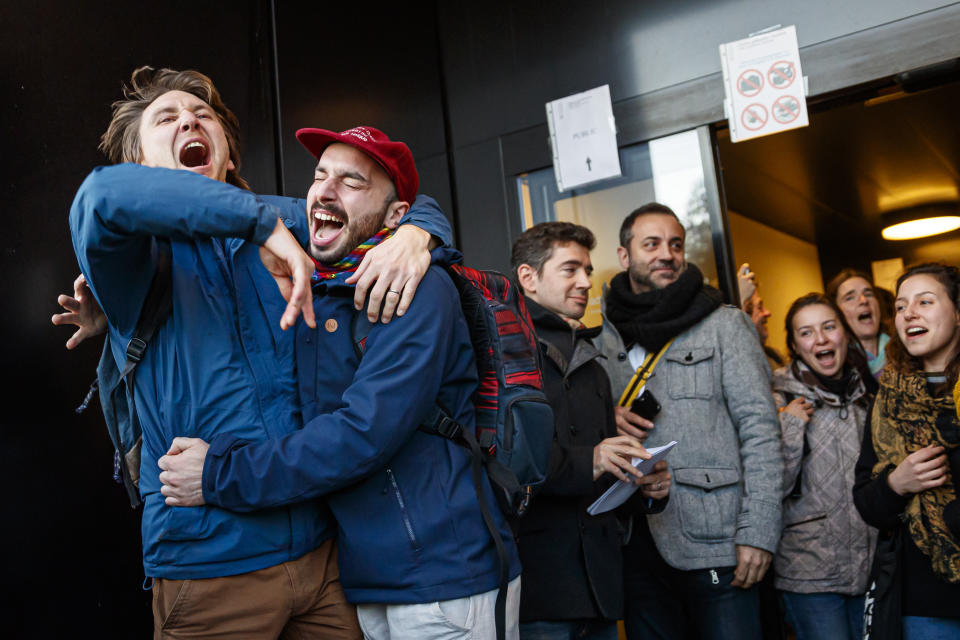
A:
[438,284]
[727,319]
[436,295]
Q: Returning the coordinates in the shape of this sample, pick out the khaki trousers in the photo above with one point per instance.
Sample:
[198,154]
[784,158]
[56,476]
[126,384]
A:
[294,600]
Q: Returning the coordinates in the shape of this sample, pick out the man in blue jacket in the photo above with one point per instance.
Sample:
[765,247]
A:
[221,363]
[415,555]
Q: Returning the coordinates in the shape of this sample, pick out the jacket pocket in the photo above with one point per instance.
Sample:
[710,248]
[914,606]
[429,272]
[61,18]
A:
[805,551]
[708,500]
[690,372]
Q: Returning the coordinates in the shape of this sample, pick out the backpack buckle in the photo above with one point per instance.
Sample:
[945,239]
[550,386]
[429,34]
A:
[135,349]
[447,427]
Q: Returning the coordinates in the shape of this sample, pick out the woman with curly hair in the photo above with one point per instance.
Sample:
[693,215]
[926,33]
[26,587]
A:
[910,459]
[821,566]
[864,315]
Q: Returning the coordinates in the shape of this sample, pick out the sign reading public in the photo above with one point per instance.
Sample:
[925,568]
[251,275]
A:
[763,84]
[583,135]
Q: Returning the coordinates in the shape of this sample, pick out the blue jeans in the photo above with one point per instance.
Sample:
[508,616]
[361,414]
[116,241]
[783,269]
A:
[663,603]
[568,630]
[918,628]
[824,616]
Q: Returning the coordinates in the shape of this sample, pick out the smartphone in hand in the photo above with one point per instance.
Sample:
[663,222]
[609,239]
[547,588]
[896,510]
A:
[645,405]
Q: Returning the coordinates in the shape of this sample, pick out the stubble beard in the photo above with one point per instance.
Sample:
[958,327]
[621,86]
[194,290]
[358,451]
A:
[643,280]
[366,225]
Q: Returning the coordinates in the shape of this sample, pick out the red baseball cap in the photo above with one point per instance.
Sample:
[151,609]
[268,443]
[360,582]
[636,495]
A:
[394,157]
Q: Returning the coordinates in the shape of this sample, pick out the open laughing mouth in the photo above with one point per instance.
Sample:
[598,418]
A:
[194,154]
[827,358]
[866,317]
[327,226]
[915,332]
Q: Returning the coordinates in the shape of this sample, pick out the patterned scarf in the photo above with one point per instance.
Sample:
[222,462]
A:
[906,418]
[350,263]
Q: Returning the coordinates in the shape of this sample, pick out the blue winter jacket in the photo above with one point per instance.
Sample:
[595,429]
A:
[219,365]
[410,527]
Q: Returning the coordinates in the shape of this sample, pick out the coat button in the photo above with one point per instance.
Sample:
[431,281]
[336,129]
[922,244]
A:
[688,357]
[621,356]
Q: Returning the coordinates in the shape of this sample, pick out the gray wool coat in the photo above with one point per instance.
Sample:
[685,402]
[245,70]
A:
[713,384]
[826,546]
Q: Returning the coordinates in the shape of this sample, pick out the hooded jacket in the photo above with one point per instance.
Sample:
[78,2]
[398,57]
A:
[826,547]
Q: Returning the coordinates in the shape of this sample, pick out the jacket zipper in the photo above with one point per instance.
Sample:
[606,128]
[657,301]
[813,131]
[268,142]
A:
[392,482]
[714,578]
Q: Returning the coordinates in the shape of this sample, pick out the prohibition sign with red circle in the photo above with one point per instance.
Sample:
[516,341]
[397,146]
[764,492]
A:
[785,109]
[754,116]
[750,83]
[782,74]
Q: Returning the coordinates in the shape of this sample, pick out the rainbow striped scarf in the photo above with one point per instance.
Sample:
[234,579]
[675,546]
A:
[350,263]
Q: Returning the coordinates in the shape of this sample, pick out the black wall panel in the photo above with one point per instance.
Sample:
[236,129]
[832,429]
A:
[339,69]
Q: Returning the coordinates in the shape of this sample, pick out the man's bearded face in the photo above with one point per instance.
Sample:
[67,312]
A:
[655,255]
[347,202]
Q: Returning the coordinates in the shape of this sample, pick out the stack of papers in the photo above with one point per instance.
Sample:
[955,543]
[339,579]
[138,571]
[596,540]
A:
[620,491]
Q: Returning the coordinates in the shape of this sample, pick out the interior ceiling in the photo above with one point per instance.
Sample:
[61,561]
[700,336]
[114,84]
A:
[867,164]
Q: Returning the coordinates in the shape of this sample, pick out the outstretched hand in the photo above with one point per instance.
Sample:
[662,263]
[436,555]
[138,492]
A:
[182,472]
[394,269]
[82,311]
[292,268]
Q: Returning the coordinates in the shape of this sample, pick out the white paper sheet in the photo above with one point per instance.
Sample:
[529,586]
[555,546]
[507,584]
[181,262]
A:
[621,491]
[584,138]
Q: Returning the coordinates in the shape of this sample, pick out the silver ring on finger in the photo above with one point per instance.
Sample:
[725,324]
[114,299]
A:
[393,291]
[659,486]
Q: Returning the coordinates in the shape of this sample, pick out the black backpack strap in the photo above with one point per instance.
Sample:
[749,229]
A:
[156,308]
[154,312]
[441,424]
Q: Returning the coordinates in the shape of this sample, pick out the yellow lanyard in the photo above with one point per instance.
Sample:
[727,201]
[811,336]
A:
[639,379]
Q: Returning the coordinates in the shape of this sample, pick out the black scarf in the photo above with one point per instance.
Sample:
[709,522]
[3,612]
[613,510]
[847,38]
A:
[652,318]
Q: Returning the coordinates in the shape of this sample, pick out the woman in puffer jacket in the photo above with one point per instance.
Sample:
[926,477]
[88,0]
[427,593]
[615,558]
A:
[825,551]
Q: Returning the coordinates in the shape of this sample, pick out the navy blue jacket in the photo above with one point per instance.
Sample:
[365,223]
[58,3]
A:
[220,364]
[410,528]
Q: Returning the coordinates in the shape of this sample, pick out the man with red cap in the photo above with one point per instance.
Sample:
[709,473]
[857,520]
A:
[415,555]
[218,362]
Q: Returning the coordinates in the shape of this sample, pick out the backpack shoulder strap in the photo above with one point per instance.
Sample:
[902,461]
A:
[156,308]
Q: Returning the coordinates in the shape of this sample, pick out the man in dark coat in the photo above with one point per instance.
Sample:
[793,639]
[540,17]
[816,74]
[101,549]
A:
[572,575]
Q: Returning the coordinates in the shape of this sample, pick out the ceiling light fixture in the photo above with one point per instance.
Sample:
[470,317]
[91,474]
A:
[921,228]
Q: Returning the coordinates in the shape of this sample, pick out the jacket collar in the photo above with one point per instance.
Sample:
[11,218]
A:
[785,379]
[550,325]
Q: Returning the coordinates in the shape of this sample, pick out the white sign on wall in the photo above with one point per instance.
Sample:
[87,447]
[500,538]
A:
[583,135]
[763,84]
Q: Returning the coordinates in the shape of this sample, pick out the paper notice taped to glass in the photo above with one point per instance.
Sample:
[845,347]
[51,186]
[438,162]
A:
[621,491]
